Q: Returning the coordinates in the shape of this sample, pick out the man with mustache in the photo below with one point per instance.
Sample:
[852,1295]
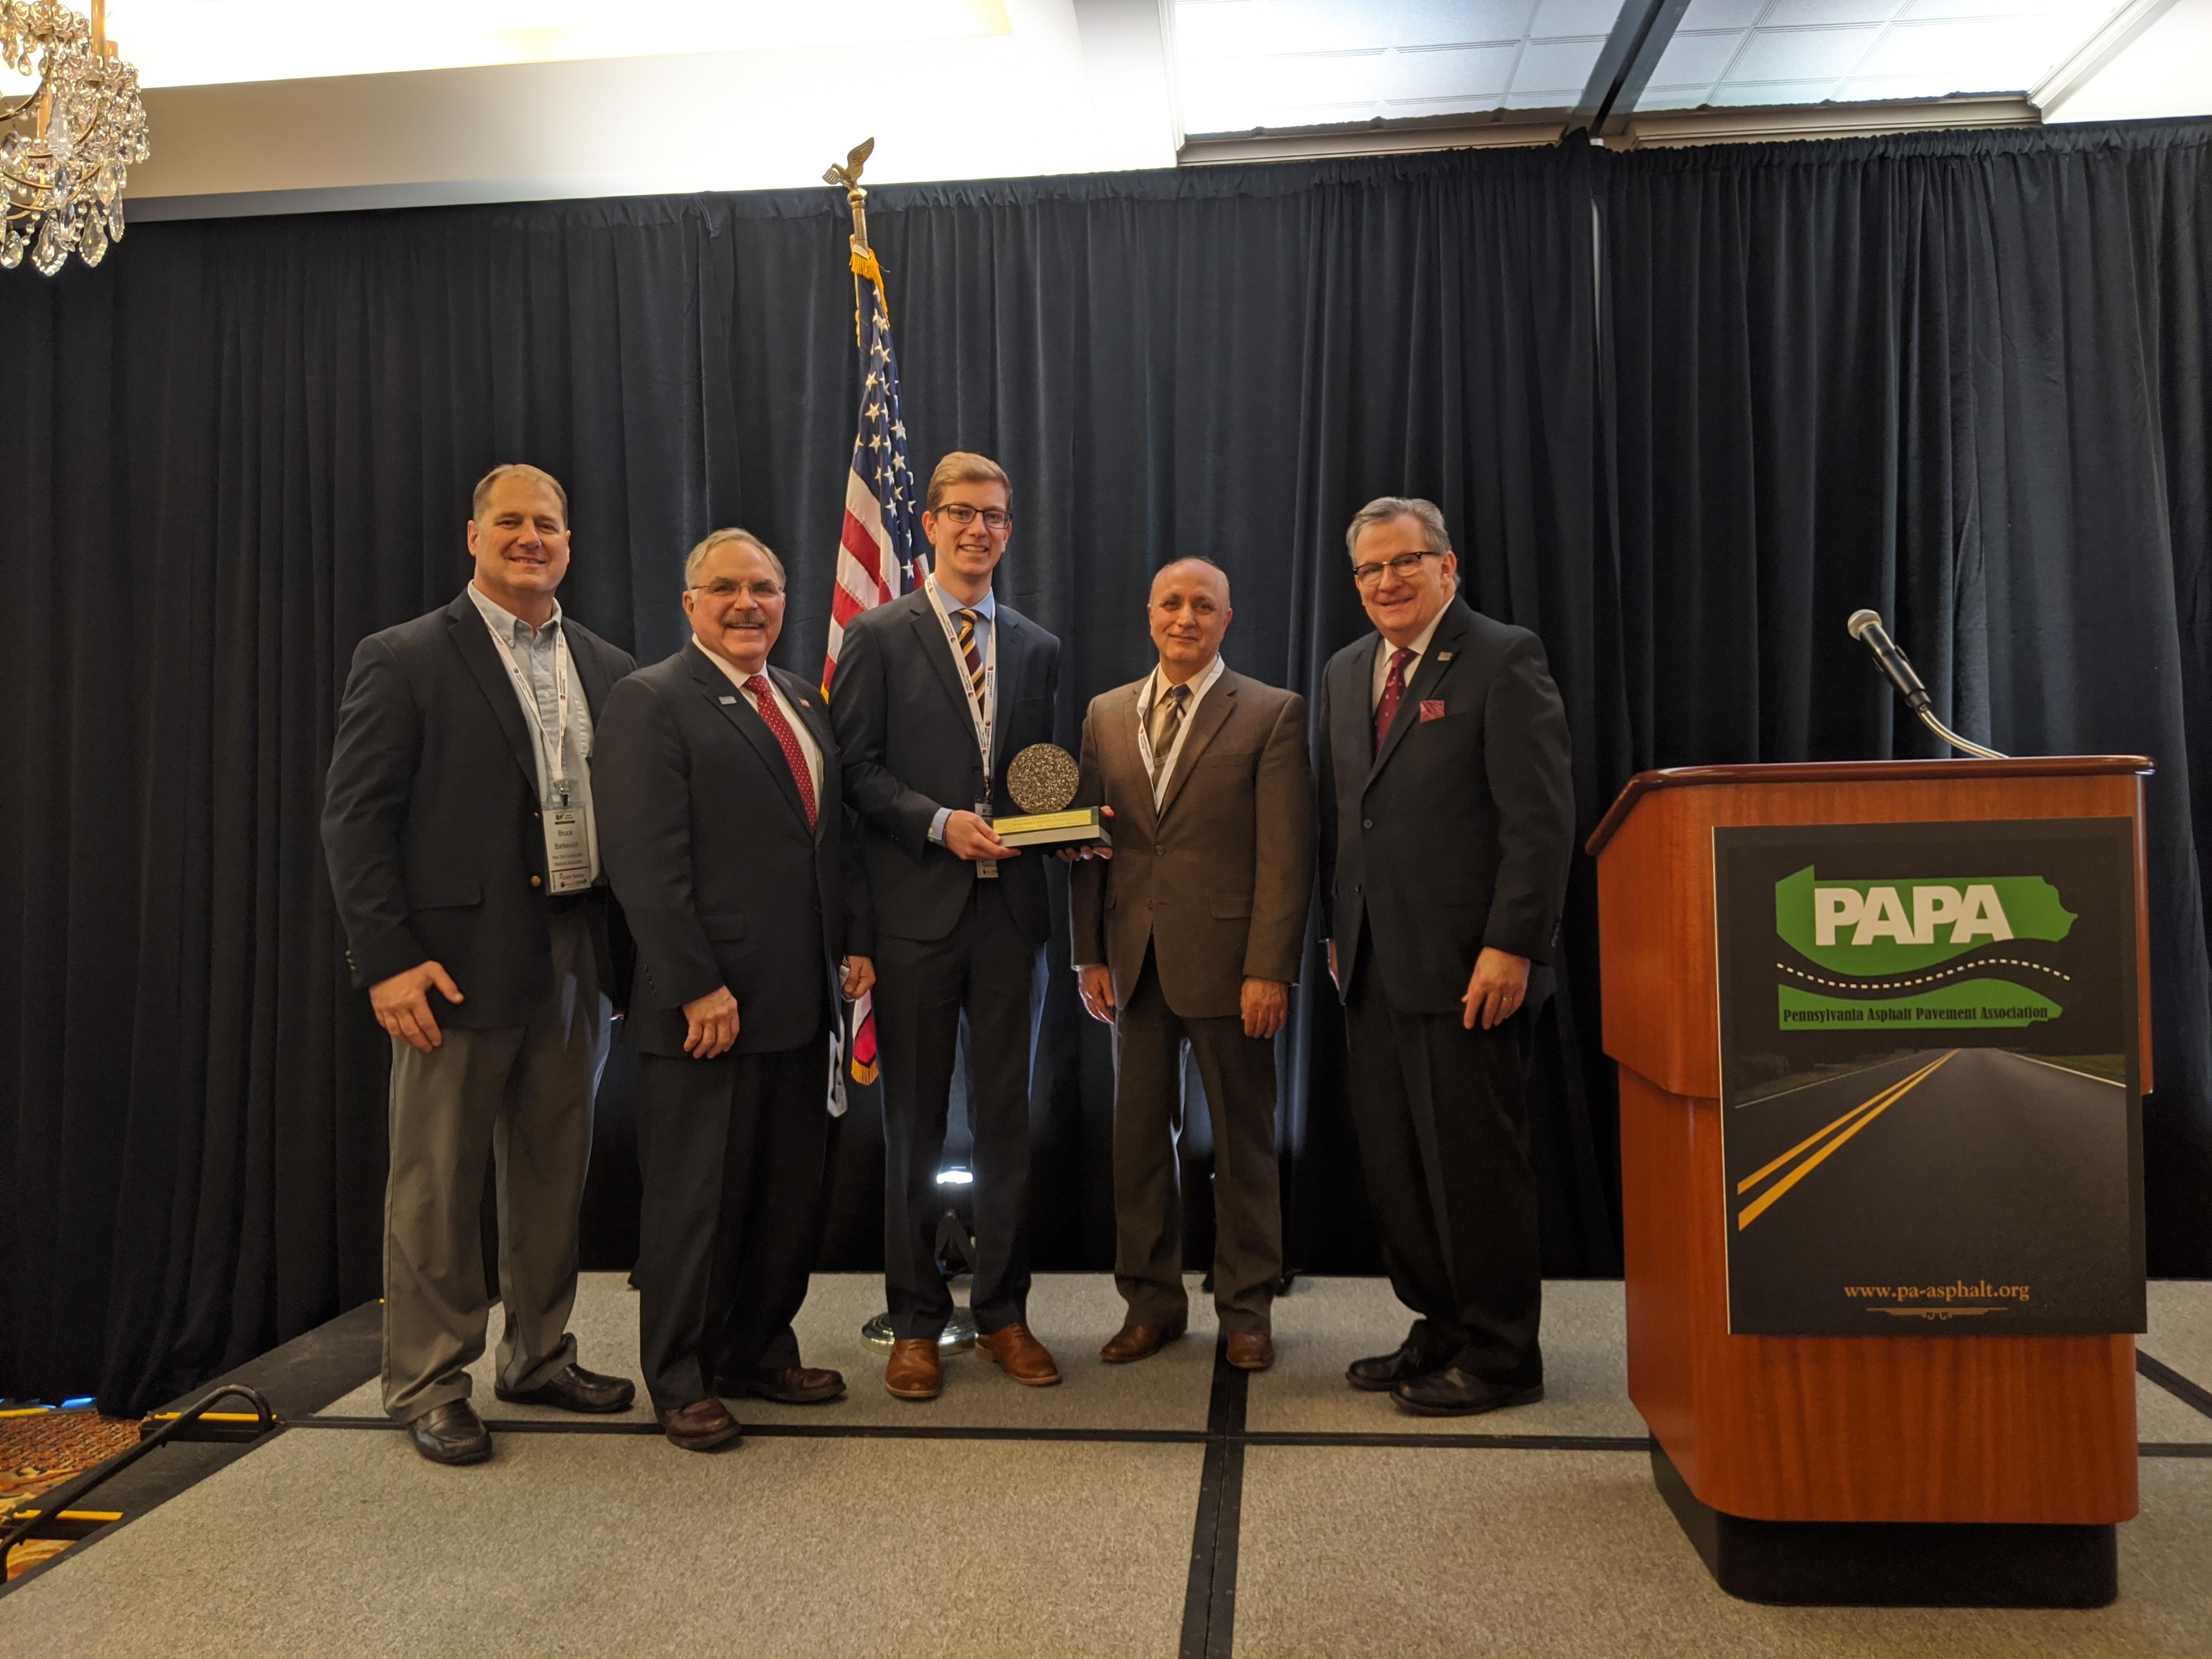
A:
[727,838]
[935,693]
[1187,935]
[463,843]
[1447,820]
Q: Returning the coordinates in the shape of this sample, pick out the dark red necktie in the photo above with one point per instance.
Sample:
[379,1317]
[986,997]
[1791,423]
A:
[1394,692]
[772,714]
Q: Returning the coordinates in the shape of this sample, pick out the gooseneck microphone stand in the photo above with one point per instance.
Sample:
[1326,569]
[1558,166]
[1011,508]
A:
[1866,627]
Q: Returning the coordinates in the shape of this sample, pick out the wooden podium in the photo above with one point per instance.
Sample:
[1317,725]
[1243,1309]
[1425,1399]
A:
[1921,1470]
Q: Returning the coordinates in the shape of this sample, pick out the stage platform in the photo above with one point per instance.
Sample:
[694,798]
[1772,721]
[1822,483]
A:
[1172,1507]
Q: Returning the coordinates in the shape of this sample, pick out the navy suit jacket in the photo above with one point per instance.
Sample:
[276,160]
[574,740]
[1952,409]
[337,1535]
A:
[707,842]
[431,824]
[909,747]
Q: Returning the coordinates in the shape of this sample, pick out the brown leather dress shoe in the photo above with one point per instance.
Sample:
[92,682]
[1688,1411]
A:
[912,1372]
[1020,1355]
[1250,1350]
[1140,1341]
[801,1385]
[699,1426]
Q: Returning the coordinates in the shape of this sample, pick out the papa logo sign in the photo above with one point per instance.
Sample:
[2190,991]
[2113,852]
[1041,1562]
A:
[1931,952]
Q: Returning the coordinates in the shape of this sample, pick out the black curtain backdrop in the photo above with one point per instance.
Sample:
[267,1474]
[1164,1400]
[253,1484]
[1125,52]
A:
[1684,411]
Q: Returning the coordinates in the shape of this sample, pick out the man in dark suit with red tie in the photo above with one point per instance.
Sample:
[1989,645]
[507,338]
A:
[1447,822]
[724,827]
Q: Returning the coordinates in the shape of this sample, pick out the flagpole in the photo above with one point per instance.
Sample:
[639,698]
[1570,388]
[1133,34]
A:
[856,199]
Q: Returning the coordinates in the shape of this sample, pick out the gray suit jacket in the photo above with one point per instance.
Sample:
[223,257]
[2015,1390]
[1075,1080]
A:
[1218,880]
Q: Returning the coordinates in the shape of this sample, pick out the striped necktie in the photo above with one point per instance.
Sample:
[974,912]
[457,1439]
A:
[971,653]
[1167,722]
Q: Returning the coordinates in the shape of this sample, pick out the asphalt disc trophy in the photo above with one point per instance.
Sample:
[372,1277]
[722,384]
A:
[1042,780]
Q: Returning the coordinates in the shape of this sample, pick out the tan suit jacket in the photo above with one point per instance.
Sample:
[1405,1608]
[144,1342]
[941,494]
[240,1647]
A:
[1217,881]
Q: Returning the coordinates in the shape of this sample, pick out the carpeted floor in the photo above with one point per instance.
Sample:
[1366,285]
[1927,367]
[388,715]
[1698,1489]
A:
[1153,1509]
[40,1451]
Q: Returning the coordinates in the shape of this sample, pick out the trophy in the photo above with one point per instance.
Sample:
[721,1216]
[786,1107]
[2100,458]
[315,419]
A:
[1042,780]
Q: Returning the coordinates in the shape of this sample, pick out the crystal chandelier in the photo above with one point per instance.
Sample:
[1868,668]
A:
[66,149]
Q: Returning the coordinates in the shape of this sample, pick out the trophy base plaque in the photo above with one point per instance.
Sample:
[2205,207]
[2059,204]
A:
[1079,826]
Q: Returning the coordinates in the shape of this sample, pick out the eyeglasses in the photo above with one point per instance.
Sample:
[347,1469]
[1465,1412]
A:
[724,588]
[1403,567]
[996,520]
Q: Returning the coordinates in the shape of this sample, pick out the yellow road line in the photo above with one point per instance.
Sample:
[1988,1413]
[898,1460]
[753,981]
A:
[1881,1099]
[1758,1207]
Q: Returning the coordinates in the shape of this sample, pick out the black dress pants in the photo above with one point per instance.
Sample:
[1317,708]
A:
[986,968]
[734,1153]
[1442,1117]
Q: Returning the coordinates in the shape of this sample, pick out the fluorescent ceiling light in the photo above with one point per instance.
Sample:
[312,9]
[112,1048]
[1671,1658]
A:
[179,42]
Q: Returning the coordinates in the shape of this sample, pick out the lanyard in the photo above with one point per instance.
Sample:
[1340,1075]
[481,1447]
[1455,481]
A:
[556,751]
[978,707]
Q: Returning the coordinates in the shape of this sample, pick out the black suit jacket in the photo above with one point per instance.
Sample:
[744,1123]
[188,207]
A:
[707,842]
[1457,835]
[910,748]
[430,823]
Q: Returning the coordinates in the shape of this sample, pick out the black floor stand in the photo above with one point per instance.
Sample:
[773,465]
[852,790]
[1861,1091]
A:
[1895,1564]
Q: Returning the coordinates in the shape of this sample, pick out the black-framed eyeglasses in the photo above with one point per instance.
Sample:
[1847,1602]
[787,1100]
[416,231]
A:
[724,588]
[1403,566]
[995,519]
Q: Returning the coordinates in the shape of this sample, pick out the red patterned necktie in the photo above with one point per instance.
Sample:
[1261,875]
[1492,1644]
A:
[772,715]
[1394,691]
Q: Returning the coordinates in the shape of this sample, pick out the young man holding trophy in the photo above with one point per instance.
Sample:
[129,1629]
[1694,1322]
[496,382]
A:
[935,693]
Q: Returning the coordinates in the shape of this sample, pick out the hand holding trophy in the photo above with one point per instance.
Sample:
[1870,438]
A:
[1042,780]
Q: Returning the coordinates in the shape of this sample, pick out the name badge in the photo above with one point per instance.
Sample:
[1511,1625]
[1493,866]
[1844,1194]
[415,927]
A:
[986,869]
[567,850]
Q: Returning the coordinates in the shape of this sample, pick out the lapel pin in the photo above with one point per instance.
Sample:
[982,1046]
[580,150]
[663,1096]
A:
[725,702]
[1443,656]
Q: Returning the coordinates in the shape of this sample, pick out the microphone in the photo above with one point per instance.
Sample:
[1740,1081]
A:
[1866,627]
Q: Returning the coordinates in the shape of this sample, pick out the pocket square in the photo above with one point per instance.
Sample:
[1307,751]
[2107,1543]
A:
[1432,708]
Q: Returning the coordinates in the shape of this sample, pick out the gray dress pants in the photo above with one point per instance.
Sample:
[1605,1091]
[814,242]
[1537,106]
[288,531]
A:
[521,1097]
[1239,1074]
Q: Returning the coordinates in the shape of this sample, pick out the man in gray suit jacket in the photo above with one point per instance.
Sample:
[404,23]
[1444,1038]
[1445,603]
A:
[1188,936]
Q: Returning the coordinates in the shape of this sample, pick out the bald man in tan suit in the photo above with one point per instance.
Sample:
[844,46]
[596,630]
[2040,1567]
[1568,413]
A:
[1190,932]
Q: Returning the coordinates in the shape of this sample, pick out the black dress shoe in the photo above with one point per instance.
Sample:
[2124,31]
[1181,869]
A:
[1388,1370]
[575,1389]
[1454,1393]
[450,1433]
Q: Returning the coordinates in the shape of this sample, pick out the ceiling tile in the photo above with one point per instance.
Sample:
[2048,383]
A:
[1993,54]
[1694,59]
[1558,66]
[1671,98]
[1447,73]
[1557,19]
[1720,15]
[1785,13]
[1238,27]
[1802,54]
[1770,92]
[1914,8]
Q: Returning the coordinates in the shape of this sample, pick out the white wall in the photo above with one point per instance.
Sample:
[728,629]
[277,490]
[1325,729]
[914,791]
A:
[1074,86]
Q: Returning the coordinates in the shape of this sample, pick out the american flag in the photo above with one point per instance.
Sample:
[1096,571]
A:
[876,552]
[877,558]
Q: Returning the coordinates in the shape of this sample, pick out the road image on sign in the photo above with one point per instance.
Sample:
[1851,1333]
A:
[1930,1088]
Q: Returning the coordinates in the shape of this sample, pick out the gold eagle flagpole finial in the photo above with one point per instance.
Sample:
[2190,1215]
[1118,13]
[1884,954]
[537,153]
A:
[863,257]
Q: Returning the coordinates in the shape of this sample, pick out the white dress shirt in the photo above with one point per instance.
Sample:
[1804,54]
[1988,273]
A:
[1420,649]
[806,745]
[533,651]
[1156,687]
